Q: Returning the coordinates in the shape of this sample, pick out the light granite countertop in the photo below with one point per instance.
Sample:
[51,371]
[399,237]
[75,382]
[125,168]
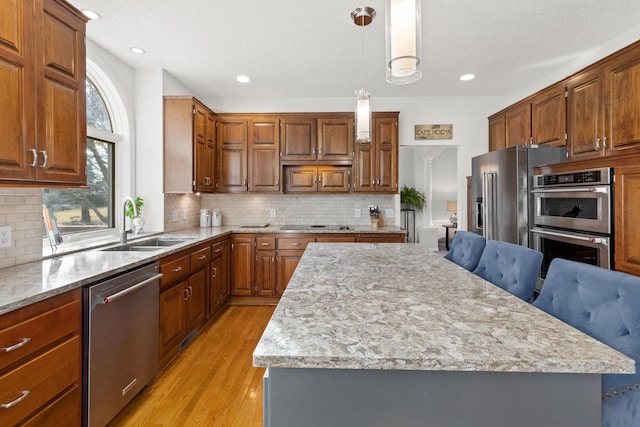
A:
[403,307]
[29,283]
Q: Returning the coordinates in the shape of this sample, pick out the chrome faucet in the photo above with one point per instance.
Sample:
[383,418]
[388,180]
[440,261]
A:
[123,232]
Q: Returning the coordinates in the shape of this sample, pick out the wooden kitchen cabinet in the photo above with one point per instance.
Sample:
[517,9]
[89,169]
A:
[517,124]
[298,137]
[189,146]
[627,220]
[43,105]
[219,284]
[585,115]
[335,138]
[242,265]
[290,250]
[42,353]
[315,137]
[497,132]
[231,154]
[376,163]
[264,155]
[183,290]
[318,179]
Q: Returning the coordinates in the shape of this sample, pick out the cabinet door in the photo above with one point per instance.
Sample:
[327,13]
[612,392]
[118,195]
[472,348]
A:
[518,125]
[225,285]
[265,272]
[386,137]
[264,155]
[623,115]
[172,327]
[549,117]
[17,85]
[196,302]
[335,139]
[364,168]
[585,115]
[287,263]
[61,130]
[242,249]
[200,168]
[210,155]
[497,133]
[298,138]
[215,285]
[334,179]
[302,179]
[231,155]
[627,221]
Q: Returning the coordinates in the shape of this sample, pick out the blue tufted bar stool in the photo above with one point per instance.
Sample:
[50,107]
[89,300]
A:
[604,304]
[512,267]
[466,249]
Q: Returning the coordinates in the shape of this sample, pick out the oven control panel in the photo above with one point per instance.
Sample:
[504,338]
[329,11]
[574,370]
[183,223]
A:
[577,178]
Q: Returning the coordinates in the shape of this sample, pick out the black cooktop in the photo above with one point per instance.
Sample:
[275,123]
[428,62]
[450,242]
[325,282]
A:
[315,227]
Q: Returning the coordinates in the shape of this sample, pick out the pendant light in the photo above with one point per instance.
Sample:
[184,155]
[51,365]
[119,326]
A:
[403,41]
[362,17]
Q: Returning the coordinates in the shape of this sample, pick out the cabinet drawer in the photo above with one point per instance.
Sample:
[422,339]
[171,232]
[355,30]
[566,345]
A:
[200,258]
[39,381]
[66,410]
[265,243]
[174,269]
[216,250]
[37,332]
[295,243]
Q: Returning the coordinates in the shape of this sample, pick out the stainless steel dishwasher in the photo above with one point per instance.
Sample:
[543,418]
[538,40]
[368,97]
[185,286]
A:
[121,340]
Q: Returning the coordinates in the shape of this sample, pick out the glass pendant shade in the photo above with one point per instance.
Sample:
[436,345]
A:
[363,116]
[403,41]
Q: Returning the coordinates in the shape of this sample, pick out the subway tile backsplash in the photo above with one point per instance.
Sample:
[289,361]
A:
[21,209]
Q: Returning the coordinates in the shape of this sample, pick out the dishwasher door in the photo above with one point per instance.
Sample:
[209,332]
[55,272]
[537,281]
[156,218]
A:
[121,341]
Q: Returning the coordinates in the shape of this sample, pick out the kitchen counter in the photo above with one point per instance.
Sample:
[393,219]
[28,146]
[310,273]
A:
[356,316]
[24,284]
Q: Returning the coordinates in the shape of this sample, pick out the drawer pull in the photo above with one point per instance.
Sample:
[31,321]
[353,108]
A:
[24,394]
[265,244]
[218,250]
[295,244]
[177,269]
[215,272]
[202,257]
[22,342]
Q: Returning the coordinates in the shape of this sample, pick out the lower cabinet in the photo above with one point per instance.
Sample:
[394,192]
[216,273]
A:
[219,279]
[41,362]
[287,263]
[627,221]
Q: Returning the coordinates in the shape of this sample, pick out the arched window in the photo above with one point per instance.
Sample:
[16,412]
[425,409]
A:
[92,209]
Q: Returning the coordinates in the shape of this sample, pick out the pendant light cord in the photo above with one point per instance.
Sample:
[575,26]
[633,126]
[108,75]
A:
[362,61]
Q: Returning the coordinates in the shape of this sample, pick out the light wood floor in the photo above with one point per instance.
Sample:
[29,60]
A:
[212,382]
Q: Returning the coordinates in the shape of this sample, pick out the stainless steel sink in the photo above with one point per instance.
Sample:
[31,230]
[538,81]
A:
[154,244]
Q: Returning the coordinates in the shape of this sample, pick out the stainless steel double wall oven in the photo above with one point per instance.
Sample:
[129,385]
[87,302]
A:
[573,217]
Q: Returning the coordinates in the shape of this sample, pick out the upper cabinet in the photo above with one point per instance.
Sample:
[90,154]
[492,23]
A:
[43,106]
[264,154]
[298,137]
[189,146]
[335,139]
[325,138]
[540,119]
[585,114]
[231,154]
[376,162]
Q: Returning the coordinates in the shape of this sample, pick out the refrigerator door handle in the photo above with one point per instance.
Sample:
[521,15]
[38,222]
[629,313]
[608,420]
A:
[489,200]
[485,224]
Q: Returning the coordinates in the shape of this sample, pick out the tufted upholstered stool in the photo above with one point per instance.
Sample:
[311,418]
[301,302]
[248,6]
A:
[466,249]
[604,304]
[512,267]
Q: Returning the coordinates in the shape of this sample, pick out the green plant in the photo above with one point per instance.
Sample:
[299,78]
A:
[129,210]
[411,197]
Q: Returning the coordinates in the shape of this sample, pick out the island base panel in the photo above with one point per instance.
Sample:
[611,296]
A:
[323,397]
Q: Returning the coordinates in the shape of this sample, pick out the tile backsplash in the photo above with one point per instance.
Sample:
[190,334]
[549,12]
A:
[21,209]
[238,209]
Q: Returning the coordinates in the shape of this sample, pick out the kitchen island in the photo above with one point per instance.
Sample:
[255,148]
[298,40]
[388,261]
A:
[393,334]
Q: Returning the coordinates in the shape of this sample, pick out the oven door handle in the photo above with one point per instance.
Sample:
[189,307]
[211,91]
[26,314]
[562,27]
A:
[596,240]
[604,190]
[113,297]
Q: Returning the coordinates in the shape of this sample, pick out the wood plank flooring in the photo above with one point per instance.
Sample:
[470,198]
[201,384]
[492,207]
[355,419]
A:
[212,382]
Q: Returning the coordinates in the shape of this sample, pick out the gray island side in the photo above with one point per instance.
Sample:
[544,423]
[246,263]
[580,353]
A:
[394,334]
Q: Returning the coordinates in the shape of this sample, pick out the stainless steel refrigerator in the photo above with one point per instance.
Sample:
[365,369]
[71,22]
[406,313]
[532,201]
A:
[502,206]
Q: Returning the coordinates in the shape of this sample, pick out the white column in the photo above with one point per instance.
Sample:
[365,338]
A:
[428,182]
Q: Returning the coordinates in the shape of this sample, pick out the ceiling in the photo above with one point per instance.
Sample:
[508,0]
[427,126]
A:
[297,48]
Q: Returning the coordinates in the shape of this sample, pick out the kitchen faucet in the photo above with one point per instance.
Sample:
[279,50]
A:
[123,232]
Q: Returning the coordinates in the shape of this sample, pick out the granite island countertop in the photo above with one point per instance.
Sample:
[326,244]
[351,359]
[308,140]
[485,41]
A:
[403,307]
[32,282]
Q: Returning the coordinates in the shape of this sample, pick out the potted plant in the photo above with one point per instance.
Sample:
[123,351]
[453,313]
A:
[138,221]
[412,198]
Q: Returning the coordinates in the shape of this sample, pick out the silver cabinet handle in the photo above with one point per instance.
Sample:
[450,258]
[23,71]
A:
[177,269]
[597,143]
[604,142]
[22,343]
[313,150]
[218,250]
[35,157]
[244,182]
[202,257]
[24,394]
[215,272]
[44,161]
[265,244]
[186,294]
[117,295]
[295,244]
[190,288]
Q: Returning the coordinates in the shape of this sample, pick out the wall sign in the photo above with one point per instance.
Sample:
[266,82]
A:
[434,131]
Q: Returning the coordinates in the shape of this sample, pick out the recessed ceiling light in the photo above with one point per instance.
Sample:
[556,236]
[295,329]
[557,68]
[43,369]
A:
[467,77]
[137,50]
[243,79]
[94,16]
